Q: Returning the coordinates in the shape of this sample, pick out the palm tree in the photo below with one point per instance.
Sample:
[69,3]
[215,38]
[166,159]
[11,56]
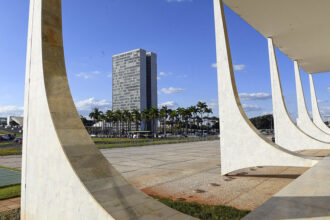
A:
[118,119]
[185,114]
[130,119]
[95,115]
[110,118]
[173,114]
[214,121]
[163,114]
[126,118]
[201,106]
[102,118]
[208,111]
[145,117]
[83,120]
[154,114]
[137,118]
[194,110]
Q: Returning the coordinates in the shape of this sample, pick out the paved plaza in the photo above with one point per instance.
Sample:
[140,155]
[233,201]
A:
[191,172]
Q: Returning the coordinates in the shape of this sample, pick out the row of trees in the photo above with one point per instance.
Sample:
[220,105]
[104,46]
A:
[181,120]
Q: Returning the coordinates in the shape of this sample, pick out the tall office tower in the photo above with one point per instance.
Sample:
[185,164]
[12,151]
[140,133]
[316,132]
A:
[134,81]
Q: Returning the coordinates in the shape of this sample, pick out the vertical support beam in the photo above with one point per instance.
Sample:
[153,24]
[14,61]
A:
[287,134]
[317,119]
[241,143]
[64,175]
[304,122]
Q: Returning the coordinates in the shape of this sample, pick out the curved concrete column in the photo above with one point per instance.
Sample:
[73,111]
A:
[64,175]
[304,122]
[242,145]
[287,134]
[317,119]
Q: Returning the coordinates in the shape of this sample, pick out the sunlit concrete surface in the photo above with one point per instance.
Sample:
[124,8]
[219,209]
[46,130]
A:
[317,119]
[304,121]
[305,198]
[179,170]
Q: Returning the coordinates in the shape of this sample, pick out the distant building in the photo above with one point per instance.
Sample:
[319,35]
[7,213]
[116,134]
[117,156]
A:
[3,121]
[16,119]
[134,81]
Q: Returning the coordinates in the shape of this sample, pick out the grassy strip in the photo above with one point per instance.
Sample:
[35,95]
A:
[10,192]
[204,212]
[135,144]
[10,151]
[106,143]
[116,140]
[4,144]
[4,132]
[13,169]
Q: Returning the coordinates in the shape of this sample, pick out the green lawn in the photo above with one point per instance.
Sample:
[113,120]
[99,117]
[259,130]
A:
[205,212]
[4,132]
[104,143]
[118,140]
[10,192]
[10,151]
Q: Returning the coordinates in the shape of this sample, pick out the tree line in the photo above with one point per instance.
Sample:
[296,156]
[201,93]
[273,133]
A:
[181,120]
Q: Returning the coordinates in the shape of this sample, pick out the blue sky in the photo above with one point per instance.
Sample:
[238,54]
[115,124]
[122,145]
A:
[181,32]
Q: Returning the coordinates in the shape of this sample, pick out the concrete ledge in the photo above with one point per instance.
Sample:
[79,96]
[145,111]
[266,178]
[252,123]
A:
[306,197]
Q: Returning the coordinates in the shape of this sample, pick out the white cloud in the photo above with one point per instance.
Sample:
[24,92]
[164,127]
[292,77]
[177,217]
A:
[267,113]
[325,110]
[109,75]
[251,108]
[328,89]
[179,0]
[322,101]
[96,72]
[158,78]
[254,96]
[165,74]
[11,111]
[89,104]
[169,104]
[171,90]
[83,75]
[89,75]
[239,67]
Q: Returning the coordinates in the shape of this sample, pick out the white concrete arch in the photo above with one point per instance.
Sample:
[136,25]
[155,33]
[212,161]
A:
[64,175]
[304,122]
[242,145]
[317,119]
[287,134]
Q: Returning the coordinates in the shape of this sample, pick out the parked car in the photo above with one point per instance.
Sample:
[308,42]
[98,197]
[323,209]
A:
[18,140]
[5,138]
